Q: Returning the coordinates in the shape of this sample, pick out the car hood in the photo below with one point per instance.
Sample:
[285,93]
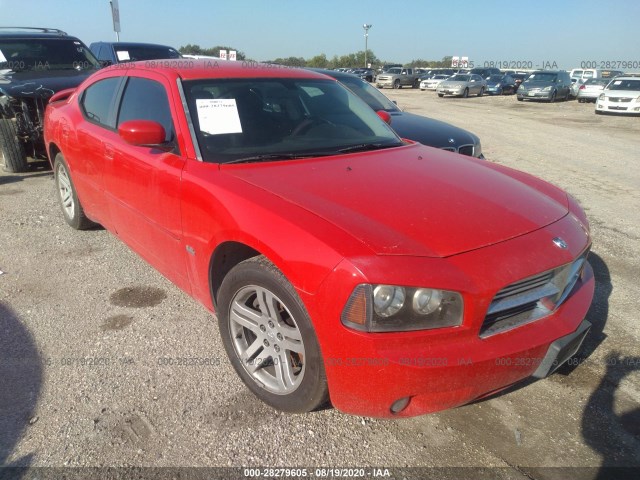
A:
[622,93]
[413,200]
[41,83]
[535,84]
[448,83]
[428,131]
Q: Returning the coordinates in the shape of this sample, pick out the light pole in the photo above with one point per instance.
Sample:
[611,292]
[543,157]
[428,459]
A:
[366,42]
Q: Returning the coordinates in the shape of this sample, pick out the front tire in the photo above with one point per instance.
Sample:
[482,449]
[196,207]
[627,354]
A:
[269,337]
[12,155]
[71,207]
[465,94]
[481,92]
[552,98]
[396,84]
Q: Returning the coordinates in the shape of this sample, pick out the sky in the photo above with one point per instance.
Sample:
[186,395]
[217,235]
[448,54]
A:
[566,33]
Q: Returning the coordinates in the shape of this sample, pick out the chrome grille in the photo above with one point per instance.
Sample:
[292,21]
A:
[620,99]
[532,298]
[466,150]
[462,149]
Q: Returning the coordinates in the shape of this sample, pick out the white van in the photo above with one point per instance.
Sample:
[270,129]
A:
[585,73]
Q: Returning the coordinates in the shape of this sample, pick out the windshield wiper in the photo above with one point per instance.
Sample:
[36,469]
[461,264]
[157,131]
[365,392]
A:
[276,156]
[363,147]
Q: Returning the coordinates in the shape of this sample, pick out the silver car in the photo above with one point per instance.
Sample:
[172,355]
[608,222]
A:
[591,89]
[462,85]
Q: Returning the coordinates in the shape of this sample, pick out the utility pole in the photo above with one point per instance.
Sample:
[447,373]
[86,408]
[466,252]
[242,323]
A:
[366,43]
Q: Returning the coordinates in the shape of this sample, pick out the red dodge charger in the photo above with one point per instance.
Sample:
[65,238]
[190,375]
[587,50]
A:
[343,263]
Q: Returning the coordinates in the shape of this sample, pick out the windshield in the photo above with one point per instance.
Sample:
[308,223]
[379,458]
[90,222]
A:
[597,81]
[494,78]
[459,78]
[624,85]
[542,77]
[257,119]
[45,54]
[370,95]
[133,53]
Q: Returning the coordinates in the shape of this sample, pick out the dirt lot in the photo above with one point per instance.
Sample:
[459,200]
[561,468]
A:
[88,333]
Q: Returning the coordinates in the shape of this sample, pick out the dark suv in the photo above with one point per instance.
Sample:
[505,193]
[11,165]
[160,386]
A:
[118,52]
[35,63]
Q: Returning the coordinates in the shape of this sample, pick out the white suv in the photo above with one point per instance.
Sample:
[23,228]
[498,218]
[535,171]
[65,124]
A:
[621,95]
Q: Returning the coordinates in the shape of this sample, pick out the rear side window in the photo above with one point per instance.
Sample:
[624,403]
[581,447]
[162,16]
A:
[146,99]
[97,102]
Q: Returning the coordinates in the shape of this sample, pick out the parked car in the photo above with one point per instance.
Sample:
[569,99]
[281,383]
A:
[591,89]
[575,86]
[588,73]
[34,64]
[546,85]
[109,53]
[462,85]
[485,72]
[427,131]
[500,84]
[367,74]
[519,78]
[282,202]
[433,82]
[621,95]
[398,77]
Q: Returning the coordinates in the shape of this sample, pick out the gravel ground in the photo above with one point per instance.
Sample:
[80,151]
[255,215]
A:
[87,328]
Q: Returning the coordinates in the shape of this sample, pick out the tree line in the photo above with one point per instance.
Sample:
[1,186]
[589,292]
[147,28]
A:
[351,60]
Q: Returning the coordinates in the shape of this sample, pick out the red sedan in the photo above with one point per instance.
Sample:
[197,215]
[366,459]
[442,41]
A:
[343,263]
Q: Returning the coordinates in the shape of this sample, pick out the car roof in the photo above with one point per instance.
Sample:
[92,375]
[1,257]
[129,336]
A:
[133,44]
[332,73]
[32,32]
[195,69]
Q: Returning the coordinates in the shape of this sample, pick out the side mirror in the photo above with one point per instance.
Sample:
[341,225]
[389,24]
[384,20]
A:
[143,133]
[386,118]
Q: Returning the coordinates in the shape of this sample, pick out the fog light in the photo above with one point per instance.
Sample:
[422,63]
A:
[399,405]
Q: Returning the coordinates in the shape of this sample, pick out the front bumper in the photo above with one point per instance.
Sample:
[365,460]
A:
[631,107]
[450,91]
[380,83]
[449,367]
[535,95]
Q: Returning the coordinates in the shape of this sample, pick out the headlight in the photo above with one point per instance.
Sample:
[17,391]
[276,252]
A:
[601,96]
[387,300]
[522,88]
[546,89]
[393,308]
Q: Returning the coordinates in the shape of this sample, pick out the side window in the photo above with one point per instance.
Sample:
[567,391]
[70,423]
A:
[97,101]
[146,99]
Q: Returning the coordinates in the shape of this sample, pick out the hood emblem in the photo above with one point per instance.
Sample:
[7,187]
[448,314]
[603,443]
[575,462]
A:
[560,243]
[451,140]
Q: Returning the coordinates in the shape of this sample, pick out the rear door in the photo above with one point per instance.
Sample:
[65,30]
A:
[143,183]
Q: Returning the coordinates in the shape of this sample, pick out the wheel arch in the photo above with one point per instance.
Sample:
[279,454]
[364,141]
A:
[52,151]
[226,256]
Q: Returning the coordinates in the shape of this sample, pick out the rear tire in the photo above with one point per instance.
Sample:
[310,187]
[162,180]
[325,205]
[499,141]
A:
[441,95]
[12,155]
[70,204]
[269,337]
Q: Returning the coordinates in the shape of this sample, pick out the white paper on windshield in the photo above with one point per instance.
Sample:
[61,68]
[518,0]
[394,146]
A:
[618,82]
[218,116]
[2,57]
[123,55]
